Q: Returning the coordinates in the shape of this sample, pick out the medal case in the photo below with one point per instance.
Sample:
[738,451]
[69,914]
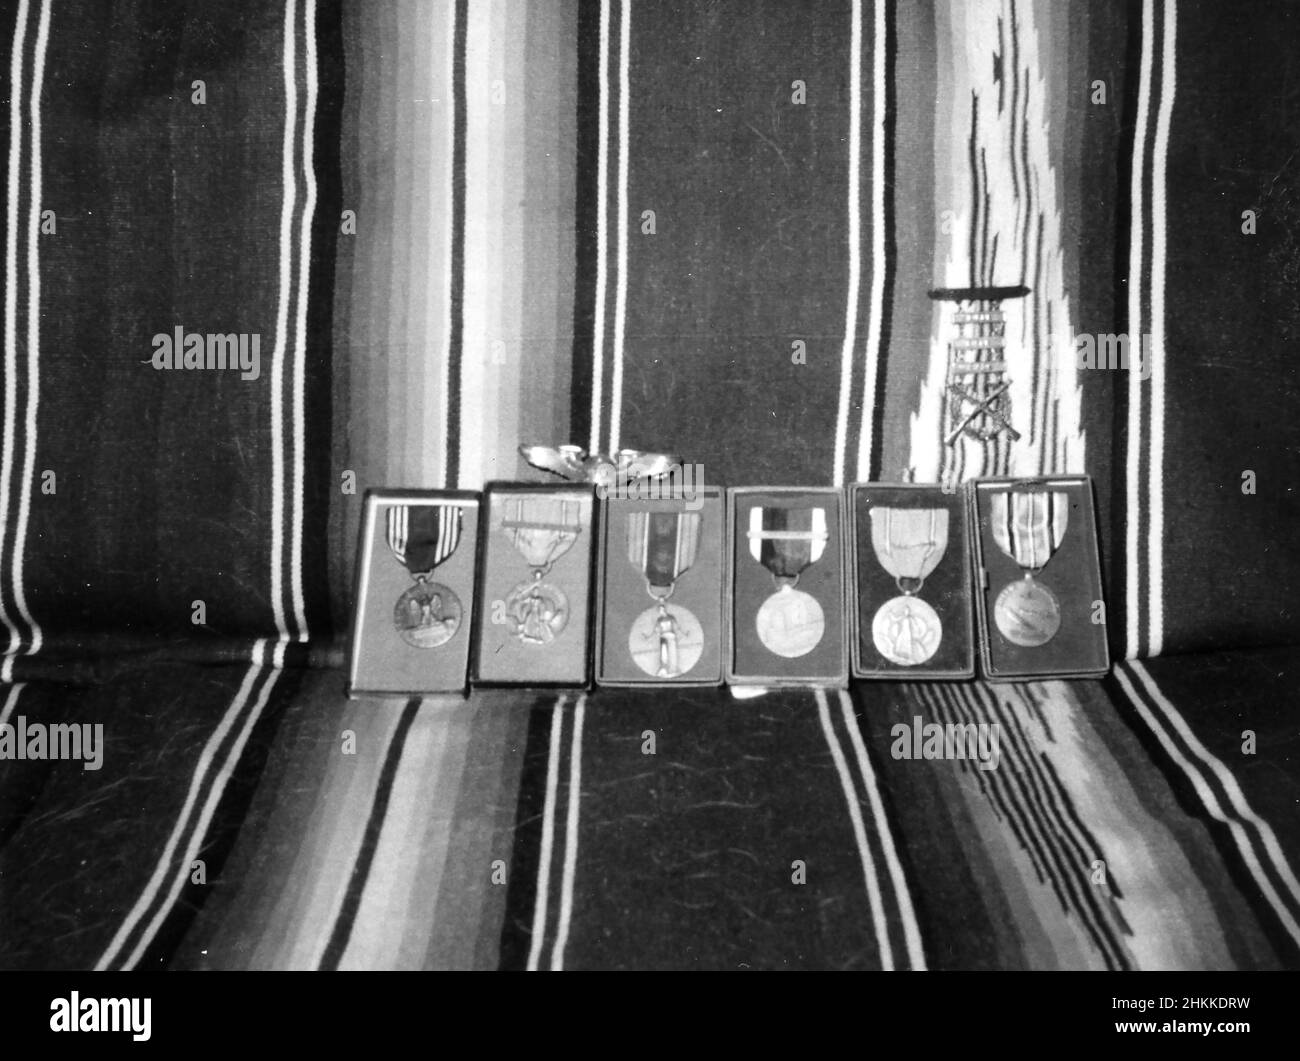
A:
[626,610]
[754,589]
[1060,505]
[411,635]
[533,615]
[945,590]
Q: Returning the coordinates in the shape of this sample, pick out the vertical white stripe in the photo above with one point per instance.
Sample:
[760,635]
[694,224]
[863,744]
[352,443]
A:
[859,832]
[876,308]
[33,329]
[11,304]
[1210,801]
[300,338]
[449,209]
[166,861]
[1135,258]
[854,237]
[543,897]
[282,316]
[620,290]
[11,701]
[1156,475]
[911,930]
[602,210]
[181,871]
[570,837]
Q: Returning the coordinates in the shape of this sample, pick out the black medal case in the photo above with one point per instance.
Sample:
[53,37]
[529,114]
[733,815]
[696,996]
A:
[946,590]
[625,608]
[751,661]
[406,637]
[1071,575]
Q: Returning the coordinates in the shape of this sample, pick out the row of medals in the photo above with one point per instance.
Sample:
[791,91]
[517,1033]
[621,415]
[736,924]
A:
[667,640]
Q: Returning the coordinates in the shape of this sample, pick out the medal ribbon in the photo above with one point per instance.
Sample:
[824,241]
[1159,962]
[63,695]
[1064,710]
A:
[423,536]
[1029,527]
[786,540]
[909,542]
[662,545]
[543,529]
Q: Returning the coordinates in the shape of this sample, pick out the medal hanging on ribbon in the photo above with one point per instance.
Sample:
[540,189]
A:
[421,537]
[1029,528]
[542,529]
[909,543]
[666,640]
[786,541]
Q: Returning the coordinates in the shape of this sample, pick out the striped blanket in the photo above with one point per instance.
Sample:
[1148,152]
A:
[419,232]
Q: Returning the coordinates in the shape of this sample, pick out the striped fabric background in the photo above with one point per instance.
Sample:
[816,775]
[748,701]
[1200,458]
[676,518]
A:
[457,225]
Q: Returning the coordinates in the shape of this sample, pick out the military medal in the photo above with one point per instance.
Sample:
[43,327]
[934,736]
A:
[1028,527]
[542,529]
[786,541]
[909,544]
[666,640]
[421,537]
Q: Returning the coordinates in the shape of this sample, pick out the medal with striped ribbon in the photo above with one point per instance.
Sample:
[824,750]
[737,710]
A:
[542,529]
[421,537]
[666,640]
[909,543]
[1029,528]
[786,541]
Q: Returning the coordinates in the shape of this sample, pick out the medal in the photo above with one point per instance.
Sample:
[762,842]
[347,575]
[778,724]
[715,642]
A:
[786,541]
[421,537]
[542,529]
[1028,527]
[909,543]
[665,640]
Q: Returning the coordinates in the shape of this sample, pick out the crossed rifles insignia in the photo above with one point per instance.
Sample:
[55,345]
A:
[978,398]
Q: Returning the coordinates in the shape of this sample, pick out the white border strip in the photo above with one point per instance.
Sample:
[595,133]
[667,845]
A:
[620,290]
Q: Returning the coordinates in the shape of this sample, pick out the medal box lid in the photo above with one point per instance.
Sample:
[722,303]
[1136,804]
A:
[946,589]
[380,662]
[1051,624]
[751,586]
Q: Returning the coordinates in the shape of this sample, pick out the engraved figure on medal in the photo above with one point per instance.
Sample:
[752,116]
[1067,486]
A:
[666,641]
[538,611]
[790,622]
[427,615]
[906,631]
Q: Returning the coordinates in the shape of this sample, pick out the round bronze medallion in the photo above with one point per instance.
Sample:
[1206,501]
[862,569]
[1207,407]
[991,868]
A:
[538,611]
[666,644]
[1027,613]
[790,622]
[427,615]
[906,631]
